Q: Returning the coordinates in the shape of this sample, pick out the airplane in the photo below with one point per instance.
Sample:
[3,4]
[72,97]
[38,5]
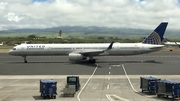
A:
[168,43]
[25,42]
[80,52]
[1,44]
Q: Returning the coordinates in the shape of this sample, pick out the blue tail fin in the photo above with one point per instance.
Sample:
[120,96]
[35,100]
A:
[156,37]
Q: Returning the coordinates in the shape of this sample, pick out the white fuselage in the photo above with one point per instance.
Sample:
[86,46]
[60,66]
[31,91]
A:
[1,44]
[118,49]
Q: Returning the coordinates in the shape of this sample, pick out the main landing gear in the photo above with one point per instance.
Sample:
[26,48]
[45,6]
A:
[25,61]
[92,60]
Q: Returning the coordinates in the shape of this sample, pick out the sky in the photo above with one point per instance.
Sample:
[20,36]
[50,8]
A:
[138,14]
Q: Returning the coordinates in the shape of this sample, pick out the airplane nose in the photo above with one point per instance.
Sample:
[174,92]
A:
[10,52]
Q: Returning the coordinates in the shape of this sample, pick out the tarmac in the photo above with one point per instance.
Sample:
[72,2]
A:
[112,78]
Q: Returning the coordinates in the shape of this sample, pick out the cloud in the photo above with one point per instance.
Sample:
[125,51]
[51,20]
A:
[3,5]
[145,14]
[13,17]
[39,0]
[17,1]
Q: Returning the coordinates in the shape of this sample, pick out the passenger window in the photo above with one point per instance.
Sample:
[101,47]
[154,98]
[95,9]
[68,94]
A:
[14,48]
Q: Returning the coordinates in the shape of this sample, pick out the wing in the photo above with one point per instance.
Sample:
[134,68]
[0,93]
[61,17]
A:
[91,52]
[94,52]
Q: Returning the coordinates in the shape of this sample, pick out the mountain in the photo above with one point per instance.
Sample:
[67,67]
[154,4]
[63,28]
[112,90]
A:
[87,30]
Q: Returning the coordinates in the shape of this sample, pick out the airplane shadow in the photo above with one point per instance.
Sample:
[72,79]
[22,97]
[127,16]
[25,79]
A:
[85,63]
[112,62]
[138,61]
[34,62]
[90,64]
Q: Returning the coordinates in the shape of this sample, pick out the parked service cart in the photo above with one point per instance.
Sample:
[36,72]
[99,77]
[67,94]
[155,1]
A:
[69,90]
[74,80]
[48,88]
[166,88]
[148,84]
[72,85]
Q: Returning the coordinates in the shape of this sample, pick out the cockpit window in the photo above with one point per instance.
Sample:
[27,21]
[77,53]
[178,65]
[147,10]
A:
[14,48]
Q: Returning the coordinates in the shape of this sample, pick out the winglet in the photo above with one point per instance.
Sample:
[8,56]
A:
[110,46]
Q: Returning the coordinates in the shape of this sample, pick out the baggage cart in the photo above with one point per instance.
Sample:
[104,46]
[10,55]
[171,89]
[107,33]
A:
[72,85]
[148,84]
[48,88]
[166,88]
[69,90]
[74,80]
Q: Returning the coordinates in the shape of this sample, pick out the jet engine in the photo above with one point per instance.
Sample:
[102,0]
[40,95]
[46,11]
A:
[76,57]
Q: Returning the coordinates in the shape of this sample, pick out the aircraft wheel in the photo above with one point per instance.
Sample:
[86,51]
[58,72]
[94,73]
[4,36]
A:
[92,61]
[25,61]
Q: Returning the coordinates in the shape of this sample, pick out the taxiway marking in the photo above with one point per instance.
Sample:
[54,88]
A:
[117,98]
[6,96]
[78,96]
[128,79]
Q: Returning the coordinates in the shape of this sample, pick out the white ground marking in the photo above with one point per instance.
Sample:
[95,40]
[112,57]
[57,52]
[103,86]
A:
[115,65]
[6,96]
[109,73]
[111,99]
[108,86]
[120,98]
[78,96]
[128,79]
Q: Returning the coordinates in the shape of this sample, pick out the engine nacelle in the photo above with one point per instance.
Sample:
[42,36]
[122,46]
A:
[76,57]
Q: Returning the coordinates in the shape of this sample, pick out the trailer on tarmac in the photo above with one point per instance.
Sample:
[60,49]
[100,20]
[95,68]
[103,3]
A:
[149,84]
[168,88]
[69,90]
[48,88]
[72,86]
[74,80]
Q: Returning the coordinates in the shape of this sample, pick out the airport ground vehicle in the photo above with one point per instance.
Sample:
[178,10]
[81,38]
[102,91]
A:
[74,80]
[48,88]
[69,90]
[149,84]
[166,88]
[72,85]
